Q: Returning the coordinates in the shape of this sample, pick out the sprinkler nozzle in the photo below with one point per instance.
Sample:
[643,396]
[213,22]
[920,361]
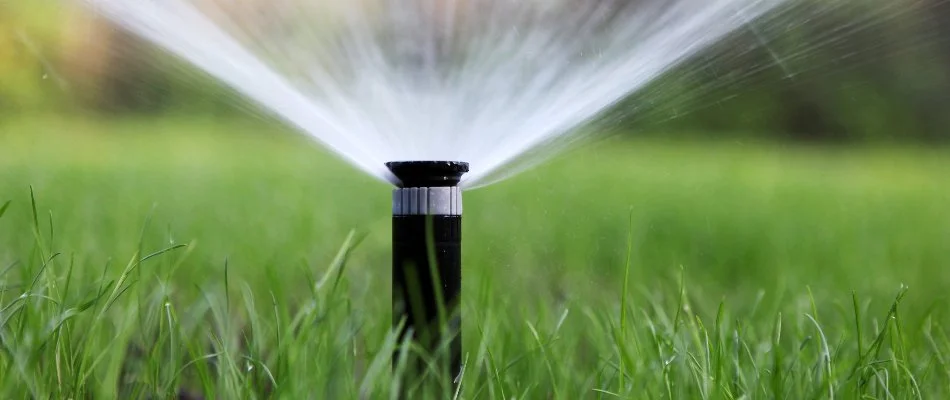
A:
[428,173]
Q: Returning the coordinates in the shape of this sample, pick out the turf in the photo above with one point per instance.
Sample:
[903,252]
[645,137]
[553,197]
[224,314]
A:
[231,259]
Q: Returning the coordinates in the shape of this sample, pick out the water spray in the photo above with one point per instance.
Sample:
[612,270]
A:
[502,84]
[427,255]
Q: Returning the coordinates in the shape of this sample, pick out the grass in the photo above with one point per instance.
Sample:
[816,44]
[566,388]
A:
[223,259]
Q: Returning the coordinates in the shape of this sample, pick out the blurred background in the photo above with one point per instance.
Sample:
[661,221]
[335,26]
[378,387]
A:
[831,71]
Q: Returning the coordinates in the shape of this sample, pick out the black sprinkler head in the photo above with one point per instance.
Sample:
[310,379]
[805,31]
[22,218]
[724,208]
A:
[428,173]
[427,256]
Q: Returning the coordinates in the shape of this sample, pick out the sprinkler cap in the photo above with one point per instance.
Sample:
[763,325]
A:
[428,173]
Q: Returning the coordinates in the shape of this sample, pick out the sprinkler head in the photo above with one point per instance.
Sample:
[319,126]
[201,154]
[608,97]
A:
[428,173]
[427,255]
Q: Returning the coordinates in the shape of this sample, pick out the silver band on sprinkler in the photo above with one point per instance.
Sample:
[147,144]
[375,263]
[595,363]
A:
[427,201]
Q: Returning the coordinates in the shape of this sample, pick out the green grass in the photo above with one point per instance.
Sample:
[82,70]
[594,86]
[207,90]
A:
[233,260]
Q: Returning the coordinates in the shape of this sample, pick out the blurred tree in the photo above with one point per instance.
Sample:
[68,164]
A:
[28,78]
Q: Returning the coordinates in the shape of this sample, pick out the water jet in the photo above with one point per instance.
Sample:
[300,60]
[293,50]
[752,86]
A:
[427,255]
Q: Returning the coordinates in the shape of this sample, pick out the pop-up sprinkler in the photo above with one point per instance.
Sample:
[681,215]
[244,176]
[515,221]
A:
[427,255]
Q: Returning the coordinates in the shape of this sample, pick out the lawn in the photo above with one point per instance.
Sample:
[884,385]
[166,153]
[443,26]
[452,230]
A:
[232,259]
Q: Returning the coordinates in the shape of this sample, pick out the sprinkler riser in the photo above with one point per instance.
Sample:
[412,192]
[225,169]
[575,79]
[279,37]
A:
[427,228]
[411,272]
